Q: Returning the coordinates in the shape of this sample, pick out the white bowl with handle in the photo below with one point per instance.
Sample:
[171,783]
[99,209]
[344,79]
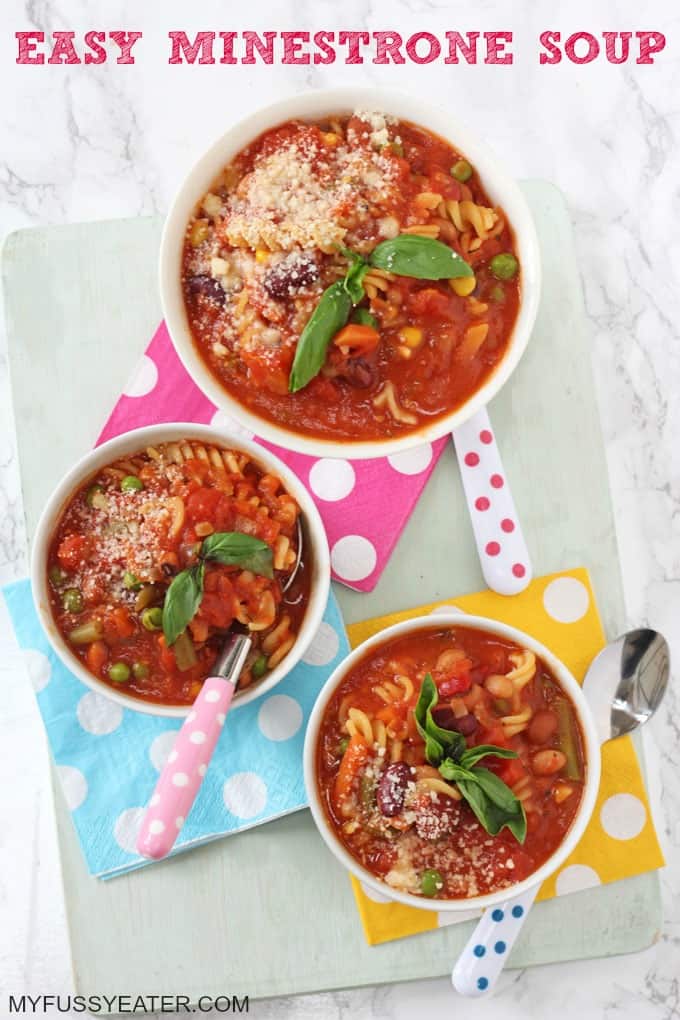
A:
[316,550]
[500,187]
[591,748]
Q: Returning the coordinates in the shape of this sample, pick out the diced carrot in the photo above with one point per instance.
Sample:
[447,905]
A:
[167,656]
[96,655]
[352,761]
[122,622]
[357,339]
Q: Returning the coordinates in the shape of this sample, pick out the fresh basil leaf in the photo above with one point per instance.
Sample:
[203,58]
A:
[452,771]
[182,600]
[421,257]
[233,548]
[328,317]
[494,787]
[438,741]
[493,817]
[474,754]
[354,277]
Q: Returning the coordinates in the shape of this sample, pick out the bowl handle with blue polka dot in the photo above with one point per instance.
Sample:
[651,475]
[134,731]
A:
[485,954]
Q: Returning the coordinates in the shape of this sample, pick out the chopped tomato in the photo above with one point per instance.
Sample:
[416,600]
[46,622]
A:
[430,303]
[201,504]
[122,622]
[73,551]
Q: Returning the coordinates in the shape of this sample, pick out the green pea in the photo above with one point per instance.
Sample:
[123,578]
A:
[152,619]
[259,666]
[431,882]
[56,575]
[131,483]
[140,670]
[461,170]
[343,744]
[131,582]
[95,497]
[72,600]
[504,266]
[497,294]
[364,318]
[119,672]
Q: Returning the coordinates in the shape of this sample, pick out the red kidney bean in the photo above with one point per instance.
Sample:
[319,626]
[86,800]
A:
[446,718]
[207,286]
[359,373]
[391,791]
[285,278]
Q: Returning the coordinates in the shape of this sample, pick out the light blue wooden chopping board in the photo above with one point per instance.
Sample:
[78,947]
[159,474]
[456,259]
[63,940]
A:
[270,912]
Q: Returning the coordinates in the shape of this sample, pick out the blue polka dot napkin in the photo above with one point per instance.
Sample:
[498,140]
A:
[108,758]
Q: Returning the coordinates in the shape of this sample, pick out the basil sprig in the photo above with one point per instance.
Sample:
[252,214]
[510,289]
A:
[491,800]
[231,548]
[423,258]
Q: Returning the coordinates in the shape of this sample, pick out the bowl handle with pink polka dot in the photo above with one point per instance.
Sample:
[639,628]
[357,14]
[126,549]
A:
[187,764]
[482,959]
[503,553]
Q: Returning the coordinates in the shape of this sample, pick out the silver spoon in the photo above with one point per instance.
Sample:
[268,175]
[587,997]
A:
[624,686]
[182,775]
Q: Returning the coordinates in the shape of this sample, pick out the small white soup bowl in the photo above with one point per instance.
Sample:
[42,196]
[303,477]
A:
[315,549]
[568,684]
[501,188]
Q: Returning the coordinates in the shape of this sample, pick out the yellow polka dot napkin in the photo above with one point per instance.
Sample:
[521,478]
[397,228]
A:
[620,840]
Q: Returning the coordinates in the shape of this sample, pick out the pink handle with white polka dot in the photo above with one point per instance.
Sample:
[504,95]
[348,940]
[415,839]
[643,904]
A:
[502,550]
[183,773]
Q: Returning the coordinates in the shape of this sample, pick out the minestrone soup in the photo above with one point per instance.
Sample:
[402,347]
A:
[407,785]
[161,553]
[306,209]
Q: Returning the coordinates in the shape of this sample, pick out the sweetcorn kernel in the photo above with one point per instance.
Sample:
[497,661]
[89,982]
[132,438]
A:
[261,255]
[404,352]
[330,138]
[463,286]
[411,336]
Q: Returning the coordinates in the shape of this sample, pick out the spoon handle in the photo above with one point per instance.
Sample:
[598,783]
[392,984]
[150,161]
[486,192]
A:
[485,954]
[187,764]
[503,553]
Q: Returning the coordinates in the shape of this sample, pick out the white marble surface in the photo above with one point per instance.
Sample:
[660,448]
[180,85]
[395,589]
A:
[90,143]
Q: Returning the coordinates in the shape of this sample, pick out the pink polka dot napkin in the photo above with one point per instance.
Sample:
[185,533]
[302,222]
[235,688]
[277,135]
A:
[364,504]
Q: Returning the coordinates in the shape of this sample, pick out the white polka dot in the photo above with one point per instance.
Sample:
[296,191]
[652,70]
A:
[566,599]
[576,877]
[126,828]
[373,894]
[444,610]
[353,558]
[324,647]
[198,737]
[180,779]
[143,379]
[161,746]
[173,756]
[191,717]
[280,717]
[74,785]
[202,769]
[332,480]
[179,822]
[446,917]
[212,696]
[222,420]
[98,715]
[245,794]
[623,816]
[39,669]
[156,827]
[156,799]
[411,462]
[221,718]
